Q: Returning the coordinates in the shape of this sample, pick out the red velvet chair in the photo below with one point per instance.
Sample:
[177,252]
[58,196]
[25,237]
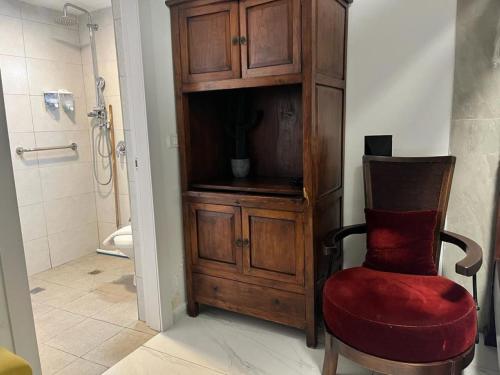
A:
[402,323]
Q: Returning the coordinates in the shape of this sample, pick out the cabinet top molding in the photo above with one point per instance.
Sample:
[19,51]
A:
[171,3]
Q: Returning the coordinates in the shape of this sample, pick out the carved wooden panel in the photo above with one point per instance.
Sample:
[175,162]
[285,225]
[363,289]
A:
[329,138]
[215,230]
[330,37]
[208,51]
[275,247]
[272,33]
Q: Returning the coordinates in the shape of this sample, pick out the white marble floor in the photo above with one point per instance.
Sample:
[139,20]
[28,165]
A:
[219,342]
[86,315]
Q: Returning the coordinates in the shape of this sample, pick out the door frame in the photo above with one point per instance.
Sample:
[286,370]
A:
[132,87]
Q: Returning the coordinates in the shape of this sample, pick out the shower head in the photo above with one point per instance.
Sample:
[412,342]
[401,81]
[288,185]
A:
[70,20]
[66,20]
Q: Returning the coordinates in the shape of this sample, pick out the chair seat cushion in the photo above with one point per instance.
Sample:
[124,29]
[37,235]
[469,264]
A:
[407,318]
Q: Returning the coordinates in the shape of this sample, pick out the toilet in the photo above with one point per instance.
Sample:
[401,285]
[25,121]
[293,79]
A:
[122,242]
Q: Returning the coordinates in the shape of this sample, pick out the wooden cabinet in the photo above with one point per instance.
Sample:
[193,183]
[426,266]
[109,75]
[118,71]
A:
[216,236]
[210,42]
[253,245]
[273,245]
[271,29]
[265,33]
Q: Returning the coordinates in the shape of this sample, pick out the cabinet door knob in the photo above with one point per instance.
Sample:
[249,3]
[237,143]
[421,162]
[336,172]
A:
[243,40]
[246,242]
[238,242]
[236,40]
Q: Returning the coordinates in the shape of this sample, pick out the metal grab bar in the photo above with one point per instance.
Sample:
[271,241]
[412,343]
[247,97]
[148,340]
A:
[22,150]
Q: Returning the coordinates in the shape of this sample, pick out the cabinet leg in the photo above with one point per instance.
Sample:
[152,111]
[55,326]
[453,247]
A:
[193,308]
[311,334]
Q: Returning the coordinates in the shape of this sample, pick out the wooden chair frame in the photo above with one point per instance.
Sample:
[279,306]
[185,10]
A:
[468,266]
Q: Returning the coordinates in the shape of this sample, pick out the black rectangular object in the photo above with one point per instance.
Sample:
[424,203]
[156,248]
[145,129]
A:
[378,145]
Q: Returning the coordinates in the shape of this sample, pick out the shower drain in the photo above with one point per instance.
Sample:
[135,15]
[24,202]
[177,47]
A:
[95,272]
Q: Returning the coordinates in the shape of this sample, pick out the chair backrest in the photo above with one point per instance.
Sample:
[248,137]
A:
[409,184]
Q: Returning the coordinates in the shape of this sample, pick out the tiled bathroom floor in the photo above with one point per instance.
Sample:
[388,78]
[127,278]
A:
[218,342]
[86,315]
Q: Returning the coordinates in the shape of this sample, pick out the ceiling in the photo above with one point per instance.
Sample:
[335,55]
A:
[58,4]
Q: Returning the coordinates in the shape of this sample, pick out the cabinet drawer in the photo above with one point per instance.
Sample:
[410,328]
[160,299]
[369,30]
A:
[267,303]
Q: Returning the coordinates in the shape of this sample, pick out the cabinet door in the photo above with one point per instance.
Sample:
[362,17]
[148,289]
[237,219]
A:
[270,37]
[215,236]
[273,244]
[209,42]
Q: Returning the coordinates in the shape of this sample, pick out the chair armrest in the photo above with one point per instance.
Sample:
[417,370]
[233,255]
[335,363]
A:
[473,260]
[333,238]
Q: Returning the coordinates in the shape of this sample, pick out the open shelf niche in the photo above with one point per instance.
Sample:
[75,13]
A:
[274,145]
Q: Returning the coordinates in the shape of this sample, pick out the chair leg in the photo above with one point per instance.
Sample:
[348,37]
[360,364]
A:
[331,357]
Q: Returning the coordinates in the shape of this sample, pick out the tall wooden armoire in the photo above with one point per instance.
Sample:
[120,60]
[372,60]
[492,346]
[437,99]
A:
[253,245]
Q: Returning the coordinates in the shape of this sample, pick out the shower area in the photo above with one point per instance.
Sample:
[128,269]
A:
[64,116]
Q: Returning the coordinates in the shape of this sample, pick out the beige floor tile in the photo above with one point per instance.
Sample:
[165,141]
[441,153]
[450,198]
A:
[123,286]
[117,347]
[102,262]
[139,325]
[54,295]
[82,367]
[83,337]
[89,283]
[53,360]
[40,309]
[55,322]
[92,303]
[60,275]
[122,313]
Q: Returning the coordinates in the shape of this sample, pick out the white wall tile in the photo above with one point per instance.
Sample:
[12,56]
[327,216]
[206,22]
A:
[67,180]
[32,222]
[27,160]
[14,75]
[105,43]
[103,17]
[70,213]
[51,42]
[37,255]
[11,30]
[124,209]
[115,102]
[28,186]
[54,75]
[57,120]
[65,156]
[68,245]
[109,70]
[10,8]
[18,111]
[105,229]
[105,204]
[115,6]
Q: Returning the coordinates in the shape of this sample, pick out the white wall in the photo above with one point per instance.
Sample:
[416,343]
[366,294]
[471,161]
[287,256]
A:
[17,330]
[158,76]
[400,64]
